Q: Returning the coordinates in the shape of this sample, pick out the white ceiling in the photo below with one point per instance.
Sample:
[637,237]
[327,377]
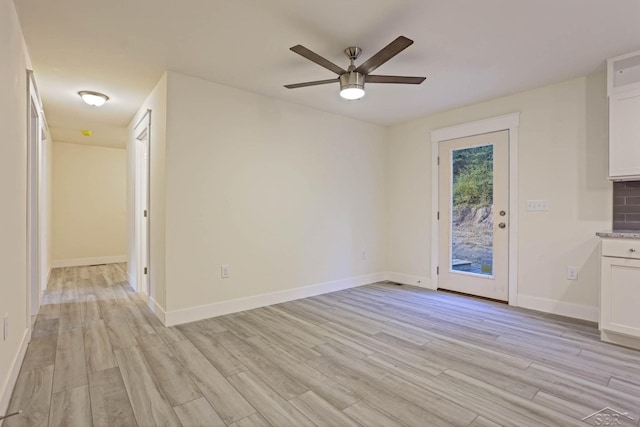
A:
[470,50]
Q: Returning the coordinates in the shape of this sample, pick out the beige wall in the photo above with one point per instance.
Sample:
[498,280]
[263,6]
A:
[294,198]
[89,203]
[286,195]
[13,190]
[290,200]
[562,158]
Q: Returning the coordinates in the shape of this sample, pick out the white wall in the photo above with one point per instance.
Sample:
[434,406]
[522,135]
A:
[89,204]
[157,102]
[13,190]
[562,158]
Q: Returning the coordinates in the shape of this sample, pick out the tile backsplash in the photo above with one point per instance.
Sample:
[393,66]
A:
[626,205]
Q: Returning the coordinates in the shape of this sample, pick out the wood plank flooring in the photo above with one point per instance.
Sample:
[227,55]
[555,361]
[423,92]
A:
[379,355]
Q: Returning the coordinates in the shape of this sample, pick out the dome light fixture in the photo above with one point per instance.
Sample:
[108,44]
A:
[352,85]
[95,99]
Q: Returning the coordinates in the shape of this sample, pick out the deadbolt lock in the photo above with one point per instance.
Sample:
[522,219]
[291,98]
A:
[502,213]
[502,225]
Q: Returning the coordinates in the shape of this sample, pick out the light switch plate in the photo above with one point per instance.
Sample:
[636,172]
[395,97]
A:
[537,205]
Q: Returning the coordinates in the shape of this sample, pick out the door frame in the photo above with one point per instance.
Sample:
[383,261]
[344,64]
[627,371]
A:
[142,245]
[34,245]
[510,122]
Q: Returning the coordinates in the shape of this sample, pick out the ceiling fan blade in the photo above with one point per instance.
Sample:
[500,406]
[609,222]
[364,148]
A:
[394,79]
[314,57]
[385,54]
[314,83]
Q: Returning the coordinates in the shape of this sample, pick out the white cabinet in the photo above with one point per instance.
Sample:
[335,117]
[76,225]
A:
[620,292]
[624,117]
[624,136]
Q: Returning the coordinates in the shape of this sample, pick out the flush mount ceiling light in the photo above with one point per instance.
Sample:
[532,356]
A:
[95,99]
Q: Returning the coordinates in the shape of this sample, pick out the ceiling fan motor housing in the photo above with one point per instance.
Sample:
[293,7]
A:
[352,85]
[352,79]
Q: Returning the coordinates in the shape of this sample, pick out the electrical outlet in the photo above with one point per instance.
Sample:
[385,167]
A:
[225,271]
[572,273]
[5,327]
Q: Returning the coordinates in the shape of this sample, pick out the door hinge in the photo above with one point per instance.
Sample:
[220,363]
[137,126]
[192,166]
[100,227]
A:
[145,213]
[437,270]
[438,160]
[145,270]
[438,216]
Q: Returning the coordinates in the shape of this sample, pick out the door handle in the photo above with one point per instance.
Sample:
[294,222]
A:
[502,225]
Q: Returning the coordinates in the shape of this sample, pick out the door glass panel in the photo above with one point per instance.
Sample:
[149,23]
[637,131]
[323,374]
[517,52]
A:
[472,210]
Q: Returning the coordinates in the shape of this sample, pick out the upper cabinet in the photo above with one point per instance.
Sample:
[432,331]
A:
[623,88]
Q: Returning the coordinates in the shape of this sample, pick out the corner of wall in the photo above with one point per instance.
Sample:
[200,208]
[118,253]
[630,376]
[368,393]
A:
[156,102]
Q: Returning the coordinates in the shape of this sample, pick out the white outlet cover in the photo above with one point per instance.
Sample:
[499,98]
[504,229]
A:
[224,271]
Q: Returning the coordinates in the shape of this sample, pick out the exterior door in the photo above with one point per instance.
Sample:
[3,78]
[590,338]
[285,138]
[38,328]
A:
[474,217]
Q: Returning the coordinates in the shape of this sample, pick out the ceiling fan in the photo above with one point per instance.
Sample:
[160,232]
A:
[352,79]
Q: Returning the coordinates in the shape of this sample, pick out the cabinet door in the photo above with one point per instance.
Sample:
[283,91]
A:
[624,135]
[620,295]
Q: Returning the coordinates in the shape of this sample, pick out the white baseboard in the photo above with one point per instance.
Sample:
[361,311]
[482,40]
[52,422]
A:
[406,279]
[10,383]
[45,283]
[578,311]
[193,314]
[157,310]
[132,282]
[76,262]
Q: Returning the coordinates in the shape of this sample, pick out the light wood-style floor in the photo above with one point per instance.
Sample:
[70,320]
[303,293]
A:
[379,355]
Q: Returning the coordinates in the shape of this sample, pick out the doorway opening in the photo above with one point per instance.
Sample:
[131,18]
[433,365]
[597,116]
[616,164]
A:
[142,133]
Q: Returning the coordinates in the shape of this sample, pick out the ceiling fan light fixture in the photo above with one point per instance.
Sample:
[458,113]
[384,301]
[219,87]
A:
[95,99]
[352,85]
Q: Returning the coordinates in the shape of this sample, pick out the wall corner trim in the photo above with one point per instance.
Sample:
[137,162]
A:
[157,310]
[192,314]
[10,383]
[132,282]
[43,286]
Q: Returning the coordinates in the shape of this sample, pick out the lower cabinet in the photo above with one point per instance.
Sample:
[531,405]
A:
[620,292]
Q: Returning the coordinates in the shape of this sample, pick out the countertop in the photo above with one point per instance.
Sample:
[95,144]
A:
[619,234]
